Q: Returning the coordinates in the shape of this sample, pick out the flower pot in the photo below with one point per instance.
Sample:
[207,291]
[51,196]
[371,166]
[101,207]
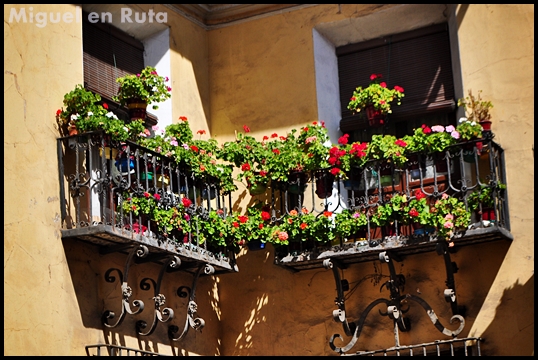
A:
[297,182]
[324,184]
[146,176]
[488,214]
[125,165]
[110,153]
[375,117]
[486,125]
[72,130]
[162,180]
[137,109]
[257,189]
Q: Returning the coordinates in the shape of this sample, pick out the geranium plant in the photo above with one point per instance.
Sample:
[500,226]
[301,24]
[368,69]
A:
[377,94]
[147,86]
[349,222]
[345,156]
[388,148]
[449,215]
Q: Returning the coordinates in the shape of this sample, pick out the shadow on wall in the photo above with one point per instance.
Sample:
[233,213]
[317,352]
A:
[94,294]
[513,331]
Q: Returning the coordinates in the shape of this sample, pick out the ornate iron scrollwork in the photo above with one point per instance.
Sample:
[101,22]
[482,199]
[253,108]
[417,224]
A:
[140,251]
[191,320]
[167,313]
[394,308]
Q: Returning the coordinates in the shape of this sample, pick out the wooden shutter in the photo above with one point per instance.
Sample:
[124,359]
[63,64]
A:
[419,61]
[109,53]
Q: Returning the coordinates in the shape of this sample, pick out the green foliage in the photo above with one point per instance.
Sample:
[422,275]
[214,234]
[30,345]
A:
[484,195]
[348,222]
[389,148]
[147,86]
[469,130]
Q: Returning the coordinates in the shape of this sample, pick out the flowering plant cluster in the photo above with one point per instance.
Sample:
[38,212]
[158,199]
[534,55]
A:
[344,156]
[449,215]
[148,86]
[302,226]
[349,222]
[254,226]
[377,94]
[84,112]
[469,129]
[417,210]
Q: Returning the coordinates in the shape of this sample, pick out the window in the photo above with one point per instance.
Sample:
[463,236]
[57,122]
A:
[419,61]
[109,53]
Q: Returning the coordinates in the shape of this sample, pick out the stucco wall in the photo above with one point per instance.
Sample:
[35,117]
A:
[260,73]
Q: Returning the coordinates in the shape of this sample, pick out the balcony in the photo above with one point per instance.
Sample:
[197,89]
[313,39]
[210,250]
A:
[109,189]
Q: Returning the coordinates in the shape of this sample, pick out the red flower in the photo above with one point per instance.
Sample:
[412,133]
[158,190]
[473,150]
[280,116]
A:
[375,76]
[335,171]
[201,132]
[58,112]
[265,137]
[303,226]
[105,105]
[245,167]
[263,173]
[413,212]
[383,84]
[398,88]
[186,202]
[343,139]
[146,194]
[274,135]
[260,226]
[276,151]
[235,224]
[157,197]
[327,213]
[305,129]
[246,128]
[183,118]
[243,219]
[401,143]
[426,129]
[419,194]
[266,215]
[194,148]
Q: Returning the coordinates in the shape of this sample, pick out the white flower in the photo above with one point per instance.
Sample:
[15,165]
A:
[473,123]
[109,114]
[126,128]
[90,113]
[75,116]
[155,89]
[462,119]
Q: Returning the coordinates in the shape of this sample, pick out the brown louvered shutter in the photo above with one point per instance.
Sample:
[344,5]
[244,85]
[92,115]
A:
[109,53]
[418,60]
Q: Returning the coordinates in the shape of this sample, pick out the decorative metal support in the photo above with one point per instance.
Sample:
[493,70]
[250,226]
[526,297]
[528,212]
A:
[451,269]
[140,251]
[192,308]
[174,262]
[394,309]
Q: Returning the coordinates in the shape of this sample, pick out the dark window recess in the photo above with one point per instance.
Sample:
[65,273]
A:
[418,60]
[109,53]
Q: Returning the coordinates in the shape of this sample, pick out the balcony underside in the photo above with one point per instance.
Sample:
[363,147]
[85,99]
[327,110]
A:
[111,239]
[401,246]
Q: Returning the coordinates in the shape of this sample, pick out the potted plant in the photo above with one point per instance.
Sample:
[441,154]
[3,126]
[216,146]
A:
[138,91]
[449,215]
[347,161]
[482,200]
[253,229]
[417,213]
[250,156]
[477,110]
[375,99]
[298,228]
[315,143]
[349,224]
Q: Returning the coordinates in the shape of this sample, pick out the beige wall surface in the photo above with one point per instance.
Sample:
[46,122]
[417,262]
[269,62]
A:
[259,73]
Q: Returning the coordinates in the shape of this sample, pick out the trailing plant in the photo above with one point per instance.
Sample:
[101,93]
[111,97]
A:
[147,86]
[348,222]
[376,94]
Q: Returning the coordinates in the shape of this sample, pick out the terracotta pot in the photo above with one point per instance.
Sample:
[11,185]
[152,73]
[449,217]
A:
[137,109]
[375,117]
[324,184]
[72,130]
[486,125]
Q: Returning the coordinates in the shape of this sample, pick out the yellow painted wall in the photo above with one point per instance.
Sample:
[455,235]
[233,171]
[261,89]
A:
[259,73]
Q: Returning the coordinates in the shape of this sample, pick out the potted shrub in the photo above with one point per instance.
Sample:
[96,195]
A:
[138,91]
[482,201]
[477,110]
[351,223]
[375,99]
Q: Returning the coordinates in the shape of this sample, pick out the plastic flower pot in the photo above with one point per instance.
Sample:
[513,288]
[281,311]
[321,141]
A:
[125,165]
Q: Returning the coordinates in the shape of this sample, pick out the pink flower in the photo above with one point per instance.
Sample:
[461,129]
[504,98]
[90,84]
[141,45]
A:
[444,196]
[448,225]
[455,135]
[282,235]
[449,217]
[310,139]
[383,84]
[157,197]
[450,128]
[438,128]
